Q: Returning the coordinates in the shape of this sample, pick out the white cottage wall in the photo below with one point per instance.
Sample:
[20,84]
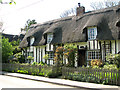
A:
[118,46]
[113,46]
[34,54]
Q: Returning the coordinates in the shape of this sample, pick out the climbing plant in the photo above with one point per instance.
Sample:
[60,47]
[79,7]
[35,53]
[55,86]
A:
[59,56]
[69,53]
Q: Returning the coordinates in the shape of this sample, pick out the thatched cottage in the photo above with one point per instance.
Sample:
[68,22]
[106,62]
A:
[96,33]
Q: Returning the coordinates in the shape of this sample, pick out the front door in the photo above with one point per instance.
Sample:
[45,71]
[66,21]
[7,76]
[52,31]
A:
[81,57]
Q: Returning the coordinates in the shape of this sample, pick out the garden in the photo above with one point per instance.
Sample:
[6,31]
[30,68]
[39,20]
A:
[97,72]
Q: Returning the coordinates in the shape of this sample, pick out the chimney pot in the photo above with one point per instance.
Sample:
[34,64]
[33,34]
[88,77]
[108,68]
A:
[79,4]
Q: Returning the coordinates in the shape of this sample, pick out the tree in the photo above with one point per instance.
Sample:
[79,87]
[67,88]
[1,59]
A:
[7,49]
[10,2]
[15,43]
[69,12]
[28,24]
[105,4]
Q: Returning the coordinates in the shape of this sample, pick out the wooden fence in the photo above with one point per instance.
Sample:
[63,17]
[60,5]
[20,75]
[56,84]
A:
[80,74]
[92,75]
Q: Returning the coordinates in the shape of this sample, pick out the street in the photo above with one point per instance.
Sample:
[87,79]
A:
[14,82]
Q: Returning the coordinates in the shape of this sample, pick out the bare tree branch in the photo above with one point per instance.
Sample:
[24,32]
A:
[105,4]
[69,12]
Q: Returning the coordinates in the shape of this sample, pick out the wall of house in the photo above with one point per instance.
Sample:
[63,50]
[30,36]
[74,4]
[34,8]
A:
[43,53]
[93,45]
[29,52]
[39,53]
[115,46]
[118,45]
[49,48]
[34,54]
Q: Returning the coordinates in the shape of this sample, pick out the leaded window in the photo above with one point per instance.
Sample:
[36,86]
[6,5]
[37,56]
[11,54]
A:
[49,37]
[92,33]
[93,55]
[50,55]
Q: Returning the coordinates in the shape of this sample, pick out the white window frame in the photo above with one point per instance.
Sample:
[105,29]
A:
[49,37]
[30,54]
[32,39]
[92,33]
[50,55]
[93,52]
[105,47]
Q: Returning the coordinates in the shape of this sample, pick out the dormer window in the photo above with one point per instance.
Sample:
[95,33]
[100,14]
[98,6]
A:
[92,33]
[32,39]
[49,37]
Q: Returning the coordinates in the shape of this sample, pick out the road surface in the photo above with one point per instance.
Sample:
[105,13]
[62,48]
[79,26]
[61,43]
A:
[14,82]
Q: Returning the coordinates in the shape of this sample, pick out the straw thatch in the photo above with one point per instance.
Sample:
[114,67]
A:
[74,28]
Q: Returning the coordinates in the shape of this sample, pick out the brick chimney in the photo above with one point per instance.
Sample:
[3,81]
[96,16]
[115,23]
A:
[80,10]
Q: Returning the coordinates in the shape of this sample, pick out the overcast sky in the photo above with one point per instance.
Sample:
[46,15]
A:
[14,17]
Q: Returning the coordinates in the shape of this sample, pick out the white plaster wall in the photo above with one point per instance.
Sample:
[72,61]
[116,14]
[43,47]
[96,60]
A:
[31,48]
[91,44]
[118,45]
[43,54]
[34,54]
[51,62]
[76,64]
[51,47]
[47,47]
[47,61]
[113,46]
[38,54]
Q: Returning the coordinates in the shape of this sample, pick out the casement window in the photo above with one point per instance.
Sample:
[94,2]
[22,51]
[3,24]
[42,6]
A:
[93,55]
[49,37]
[92,33]
[32,39]
[106,50]
[30,54]
[50,55]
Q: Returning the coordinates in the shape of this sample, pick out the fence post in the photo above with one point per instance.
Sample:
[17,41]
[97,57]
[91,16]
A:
[119,77]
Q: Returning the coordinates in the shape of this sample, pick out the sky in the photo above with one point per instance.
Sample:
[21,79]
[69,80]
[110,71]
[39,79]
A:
[15,16]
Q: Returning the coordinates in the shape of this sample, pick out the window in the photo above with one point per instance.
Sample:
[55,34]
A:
[50,55]
[30,54]
[32,39]
[106,50]
[49,37]
[93,55]
[92,33]
[107,47]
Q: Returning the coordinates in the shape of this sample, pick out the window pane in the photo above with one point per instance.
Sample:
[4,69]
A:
[92,33]
[93,55]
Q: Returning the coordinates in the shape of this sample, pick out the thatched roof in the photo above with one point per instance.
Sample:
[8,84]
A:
[11,37]
[74,28]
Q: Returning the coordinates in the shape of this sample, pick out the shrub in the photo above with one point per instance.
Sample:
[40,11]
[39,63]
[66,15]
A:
[34,63]
[19,57]
[30,58]
[113,59]
[110,66]
[46,57]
